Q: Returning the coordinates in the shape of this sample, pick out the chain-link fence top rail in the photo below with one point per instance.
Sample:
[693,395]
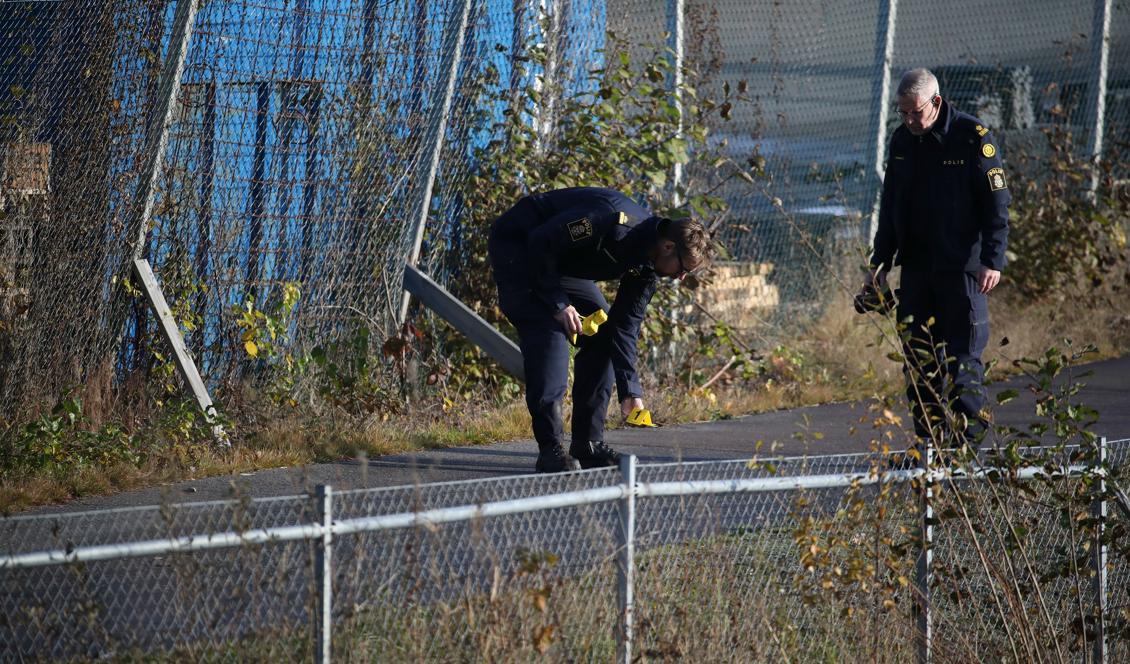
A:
[442,575]
[27,533]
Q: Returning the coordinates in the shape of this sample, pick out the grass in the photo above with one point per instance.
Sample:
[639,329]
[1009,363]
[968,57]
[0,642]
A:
[842,356]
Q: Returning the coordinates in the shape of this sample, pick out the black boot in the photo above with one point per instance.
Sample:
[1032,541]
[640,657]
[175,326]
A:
[552,459]
[594,454]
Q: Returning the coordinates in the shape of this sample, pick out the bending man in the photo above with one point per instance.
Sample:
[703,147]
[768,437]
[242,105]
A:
[547,252]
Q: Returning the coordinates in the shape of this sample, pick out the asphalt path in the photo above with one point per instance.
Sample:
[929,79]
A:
[835,428]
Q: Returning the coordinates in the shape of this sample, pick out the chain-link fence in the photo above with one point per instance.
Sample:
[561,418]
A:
[816,116]
[802,558]
[303,138]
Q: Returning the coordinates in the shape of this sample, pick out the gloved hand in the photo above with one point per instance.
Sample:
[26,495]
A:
[872,298]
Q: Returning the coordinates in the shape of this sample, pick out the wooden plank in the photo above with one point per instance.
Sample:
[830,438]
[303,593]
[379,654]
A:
[172,335]
[466,321]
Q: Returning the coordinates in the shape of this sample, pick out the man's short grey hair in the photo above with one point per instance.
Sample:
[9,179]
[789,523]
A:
[919,83]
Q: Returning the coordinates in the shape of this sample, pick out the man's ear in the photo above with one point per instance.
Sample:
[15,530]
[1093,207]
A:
[666,247]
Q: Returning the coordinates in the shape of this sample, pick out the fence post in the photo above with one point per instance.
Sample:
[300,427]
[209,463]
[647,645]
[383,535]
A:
[157,129]
[455,39]
[925,556]
[323,573]
[627,556]
[1096,84]
[1099,557]
[881,98]
[676,11]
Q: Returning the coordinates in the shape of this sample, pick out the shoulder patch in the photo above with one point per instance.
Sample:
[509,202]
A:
[988,150]
[981,131]
[996,179]
[579,229]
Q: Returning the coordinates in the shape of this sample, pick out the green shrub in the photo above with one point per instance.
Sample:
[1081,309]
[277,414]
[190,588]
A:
[63,441]
[1065,239]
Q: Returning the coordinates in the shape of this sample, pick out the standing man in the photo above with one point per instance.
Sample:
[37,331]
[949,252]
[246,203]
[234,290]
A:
[943,217]
[546,253]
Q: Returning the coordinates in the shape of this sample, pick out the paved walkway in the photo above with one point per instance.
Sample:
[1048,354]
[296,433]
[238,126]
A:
[844,427]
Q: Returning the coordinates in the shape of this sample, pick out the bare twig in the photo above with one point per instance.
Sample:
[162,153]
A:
[1027,564]
[984,560]
[1120,498]
[721,372]
[373,322]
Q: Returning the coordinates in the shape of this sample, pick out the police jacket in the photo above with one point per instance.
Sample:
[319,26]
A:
[945,200]
[587,233]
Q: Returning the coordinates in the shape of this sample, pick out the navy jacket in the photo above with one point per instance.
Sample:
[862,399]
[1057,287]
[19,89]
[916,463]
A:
[587,233]
[945,199]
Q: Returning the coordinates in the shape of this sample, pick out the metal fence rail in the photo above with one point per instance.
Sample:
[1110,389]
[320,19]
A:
[286,577]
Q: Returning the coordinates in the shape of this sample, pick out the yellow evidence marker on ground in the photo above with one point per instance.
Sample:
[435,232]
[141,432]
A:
[640,417]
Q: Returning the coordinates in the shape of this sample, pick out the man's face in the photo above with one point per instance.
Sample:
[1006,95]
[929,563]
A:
[670,262]
[919,113]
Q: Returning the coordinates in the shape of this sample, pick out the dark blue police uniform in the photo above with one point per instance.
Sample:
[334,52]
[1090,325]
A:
[547,252]
[944,214]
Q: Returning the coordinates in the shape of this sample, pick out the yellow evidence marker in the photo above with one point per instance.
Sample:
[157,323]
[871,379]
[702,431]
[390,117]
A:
[640,417]
[590,324]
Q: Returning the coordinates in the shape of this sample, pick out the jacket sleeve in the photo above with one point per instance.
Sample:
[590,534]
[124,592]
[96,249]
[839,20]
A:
[625,318]
[886,240]
[991,198]
[566,231]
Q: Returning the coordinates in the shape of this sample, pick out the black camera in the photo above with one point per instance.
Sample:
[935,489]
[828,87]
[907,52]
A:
[873,299]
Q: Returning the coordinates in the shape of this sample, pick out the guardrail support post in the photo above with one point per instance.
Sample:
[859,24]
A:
[627,557]
[1099,558]
[925,557]
[323,573]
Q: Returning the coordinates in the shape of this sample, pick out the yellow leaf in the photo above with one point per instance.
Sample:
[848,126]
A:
[543,638]
[251,348]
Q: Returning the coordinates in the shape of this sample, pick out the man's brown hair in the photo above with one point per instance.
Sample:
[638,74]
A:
[691,240]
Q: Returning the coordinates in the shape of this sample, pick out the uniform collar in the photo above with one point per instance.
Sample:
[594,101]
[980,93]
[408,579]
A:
[941,128]
[646,236]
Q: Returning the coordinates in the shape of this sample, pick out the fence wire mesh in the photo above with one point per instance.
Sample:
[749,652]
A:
[747,576]
[814,74]
[303,133]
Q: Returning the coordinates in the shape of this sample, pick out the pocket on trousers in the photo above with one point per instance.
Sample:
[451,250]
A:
[978,335]
[978,317]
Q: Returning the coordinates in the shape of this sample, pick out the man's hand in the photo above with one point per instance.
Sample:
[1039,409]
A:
[874,295]
[630,404]
[988,278]
[570,320]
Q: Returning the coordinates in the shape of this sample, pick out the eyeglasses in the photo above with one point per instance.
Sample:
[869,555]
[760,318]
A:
[918,111]
[683,268]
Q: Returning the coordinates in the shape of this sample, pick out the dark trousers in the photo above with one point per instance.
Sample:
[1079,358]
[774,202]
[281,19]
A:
[943,358]
[545,357]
